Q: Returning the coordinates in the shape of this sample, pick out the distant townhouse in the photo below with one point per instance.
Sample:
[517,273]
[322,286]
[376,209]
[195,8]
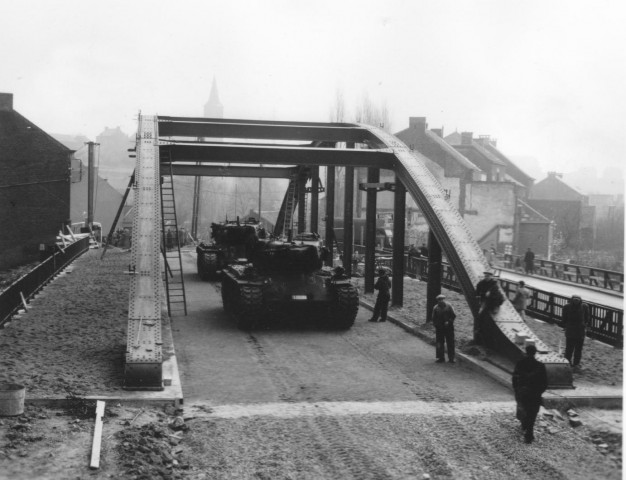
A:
[567,207]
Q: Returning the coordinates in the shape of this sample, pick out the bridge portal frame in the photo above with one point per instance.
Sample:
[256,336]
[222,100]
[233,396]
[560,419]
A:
[221,143]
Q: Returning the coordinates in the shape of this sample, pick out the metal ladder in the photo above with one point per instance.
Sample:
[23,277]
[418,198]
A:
[174,283]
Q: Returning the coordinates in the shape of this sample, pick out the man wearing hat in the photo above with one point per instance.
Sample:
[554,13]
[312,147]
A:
[576,318]
[530,380]
[383,285]
[443,320]
[488,293]
[489,299]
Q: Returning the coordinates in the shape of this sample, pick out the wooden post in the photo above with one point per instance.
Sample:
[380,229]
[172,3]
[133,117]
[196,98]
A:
[97,436]
[117,215]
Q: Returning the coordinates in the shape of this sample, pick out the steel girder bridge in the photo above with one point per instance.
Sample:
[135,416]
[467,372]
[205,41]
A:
[168,146]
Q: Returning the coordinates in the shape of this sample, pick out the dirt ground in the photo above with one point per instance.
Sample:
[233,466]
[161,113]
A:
[151,443]
[51,351]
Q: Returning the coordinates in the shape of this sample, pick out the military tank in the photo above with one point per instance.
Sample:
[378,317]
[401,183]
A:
[230,240]
[287,279]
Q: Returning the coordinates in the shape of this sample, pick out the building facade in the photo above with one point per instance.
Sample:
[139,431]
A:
[34,186]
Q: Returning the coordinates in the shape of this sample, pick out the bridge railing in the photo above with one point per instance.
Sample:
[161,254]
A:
[606,322]
[31,283]
[598,277]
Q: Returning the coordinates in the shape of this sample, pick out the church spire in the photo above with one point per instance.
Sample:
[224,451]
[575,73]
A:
[214,108]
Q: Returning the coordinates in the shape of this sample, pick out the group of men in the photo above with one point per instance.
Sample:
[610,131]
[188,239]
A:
[529,377]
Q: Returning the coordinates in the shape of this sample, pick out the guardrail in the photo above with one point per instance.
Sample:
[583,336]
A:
[598,277]
[29,284]
[607,323]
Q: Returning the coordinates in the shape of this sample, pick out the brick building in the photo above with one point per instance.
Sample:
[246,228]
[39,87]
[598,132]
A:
[34,186]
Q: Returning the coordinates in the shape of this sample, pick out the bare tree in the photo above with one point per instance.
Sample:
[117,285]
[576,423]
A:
[338,110]
[366,112]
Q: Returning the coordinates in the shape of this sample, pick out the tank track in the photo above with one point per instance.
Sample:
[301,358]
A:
[344,308]
[207,265]
[250,307]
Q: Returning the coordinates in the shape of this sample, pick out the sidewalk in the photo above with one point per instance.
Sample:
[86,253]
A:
[598,384]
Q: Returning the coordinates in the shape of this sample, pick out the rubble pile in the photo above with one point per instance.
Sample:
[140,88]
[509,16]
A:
[153,450]
[552,421]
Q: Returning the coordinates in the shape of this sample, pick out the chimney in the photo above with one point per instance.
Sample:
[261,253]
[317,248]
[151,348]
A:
[6,102]
[438,131]
[466,138]
[418,123]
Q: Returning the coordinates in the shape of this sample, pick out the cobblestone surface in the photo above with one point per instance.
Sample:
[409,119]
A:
[601,364]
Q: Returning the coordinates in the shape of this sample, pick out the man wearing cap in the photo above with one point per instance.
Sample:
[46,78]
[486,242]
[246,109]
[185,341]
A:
[383,285]
[488,293]
[520,300]
[443,320]
[489,298]
[530,380]
[576,318]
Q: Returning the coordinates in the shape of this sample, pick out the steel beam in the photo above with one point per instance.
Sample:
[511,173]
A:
[143,367]
[373,176]
[231,171]
[433,287]
[348,215]
[315,198]
[271,155]
[330,213]
[301,196]
[257,130]
[399,214]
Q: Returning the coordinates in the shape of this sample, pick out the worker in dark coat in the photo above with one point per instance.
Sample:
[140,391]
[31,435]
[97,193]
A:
[489,297]
[576,319]
[443,320]
[530,380]
[529,261]
[383,285]
[488,292]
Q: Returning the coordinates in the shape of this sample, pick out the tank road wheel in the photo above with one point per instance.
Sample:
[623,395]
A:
[250,308]
[344,308]
[207,266]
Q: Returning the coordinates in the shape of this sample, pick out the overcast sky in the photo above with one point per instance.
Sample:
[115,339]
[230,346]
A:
[546,78]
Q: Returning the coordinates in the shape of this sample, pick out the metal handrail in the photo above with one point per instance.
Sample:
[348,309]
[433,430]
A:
[599,277]
[607,324]
[30,283]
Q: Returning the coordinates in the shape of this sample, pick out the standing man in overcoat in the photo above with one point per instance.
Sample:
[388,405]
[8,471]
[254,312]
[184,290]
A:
[529,261]
[383,285]
[443,320]
[576,319]
[530,380]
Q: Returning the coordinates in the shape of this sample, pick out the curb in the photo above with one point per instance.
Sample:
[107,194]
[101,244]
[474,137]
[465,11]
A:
[551,398]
